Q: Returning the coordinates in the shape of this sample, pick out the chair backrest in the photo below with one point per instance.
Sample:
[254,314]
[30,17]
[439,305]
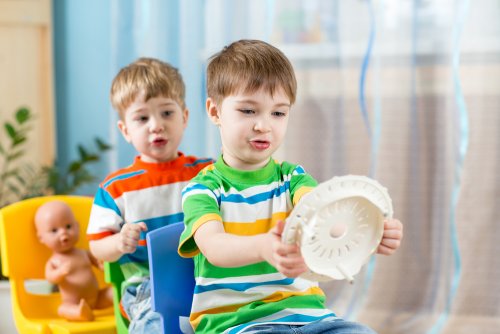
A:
[18,235]
[172,277]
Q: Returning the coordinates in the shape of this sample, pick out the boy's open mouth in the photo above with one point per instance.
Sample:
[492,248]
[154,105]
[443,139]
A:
[260,144]
[159,142]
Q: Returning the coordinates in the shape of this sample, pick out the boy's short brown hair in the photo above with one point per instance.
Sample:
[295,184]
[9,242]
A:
[249,65]
[150,76]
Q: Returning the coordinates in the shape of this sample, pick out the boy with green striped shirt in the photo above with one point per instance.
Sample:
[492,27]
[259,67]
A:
[234,210]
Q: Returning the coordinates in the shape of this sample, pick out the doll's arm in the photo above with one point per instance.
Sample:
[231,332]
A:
[55,271]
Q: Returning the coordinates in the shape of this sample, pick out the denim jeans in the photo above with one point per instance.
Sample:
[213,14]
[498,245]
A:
[327,326]
[136,302]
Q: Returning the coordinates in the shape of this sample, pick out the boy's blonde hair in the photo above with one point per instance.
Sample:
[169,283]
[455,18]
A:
[150,76]
[247,66]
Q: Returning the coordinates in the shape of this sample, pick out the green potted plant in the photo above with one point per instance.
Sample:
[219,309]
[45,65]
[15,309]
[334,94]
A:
[10,176]
[20,180]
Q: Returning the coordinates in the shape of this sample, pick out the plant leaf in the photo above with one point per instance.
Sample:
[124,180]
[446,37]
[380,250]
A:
[20,179]
[18,140]
[101,145]
[13,188]
[92,157]
[22,115]
[75,166]
[11,131]
[83,153]
[9,173]
[14,156]
[82,177]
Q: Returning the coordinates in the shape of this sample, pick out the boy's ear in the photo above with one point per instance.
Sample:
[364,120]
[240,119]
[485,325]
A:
[212,111]
[123,129]
[185,117]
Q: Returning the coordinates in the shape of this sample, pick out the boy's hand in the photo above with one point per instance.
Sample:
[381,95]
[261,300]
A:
[391,239]
[287,259]
[129,237]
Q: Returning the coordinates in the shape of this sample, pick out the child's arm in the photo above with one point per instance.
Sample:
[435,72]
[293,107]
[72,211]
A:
[95,261]
[228,250]
[111,248]
[391,239]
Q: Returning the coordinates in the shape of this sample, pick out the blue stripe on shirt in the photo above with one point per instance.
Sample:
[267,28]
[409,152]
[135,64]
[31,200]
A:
[123,177]
[103,199]
[197,162]
[195,186]
[262,197]
[299,170]
[240,286]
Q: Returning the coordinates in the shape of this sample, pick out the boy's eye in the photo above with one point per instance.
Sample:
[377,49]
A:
[54,230]
[141,119]
[246,111]
[68,226]
[167,113]
[279,113]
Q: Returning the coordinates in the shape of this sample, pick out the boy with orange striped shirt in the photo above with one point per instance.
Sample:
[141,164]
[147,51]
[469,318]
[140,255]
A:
[149,97]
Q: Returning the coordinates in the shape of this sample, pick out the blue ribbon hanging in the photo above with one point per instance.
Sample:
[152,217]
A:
[364,69]
[461,151]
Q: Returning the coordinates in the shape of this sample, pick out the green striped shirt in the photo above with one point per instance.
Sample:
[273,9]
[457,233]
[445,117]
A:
[228,300]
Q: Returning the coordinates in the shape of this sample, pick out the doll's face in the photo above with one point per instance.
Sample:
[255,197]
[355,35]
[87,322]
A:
[56,227]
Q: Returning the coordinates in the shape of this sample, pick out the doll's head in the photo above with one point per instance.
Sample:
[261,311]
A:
[56,226]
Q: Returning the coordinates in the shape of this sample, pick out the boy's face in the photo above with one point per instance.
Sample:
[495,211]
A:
[252,126]
[154,127]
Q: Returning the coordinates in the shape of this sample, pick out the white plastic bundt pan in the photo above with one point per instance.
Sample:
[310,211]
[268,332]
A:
[338,226]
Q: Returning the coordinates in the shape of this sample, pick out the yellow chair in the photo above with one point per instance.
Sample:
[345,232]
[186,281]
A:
[24,258]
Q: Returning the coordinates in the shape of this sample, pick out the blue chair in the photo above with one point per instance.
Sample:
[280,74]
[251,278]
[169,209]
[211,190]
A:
[172,279]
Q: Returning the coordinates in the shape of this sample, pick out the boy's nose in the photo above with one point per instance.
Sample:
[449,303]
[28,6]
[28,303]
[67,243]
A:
[156,126]
[262,125]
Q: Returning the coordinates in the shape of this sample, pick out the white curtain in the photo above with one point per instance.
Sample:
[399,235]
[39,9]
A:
[403,91]
[407,95]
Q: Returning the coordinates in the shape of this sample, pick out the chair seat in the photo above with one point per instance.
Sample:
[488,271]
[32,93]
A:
[104,323]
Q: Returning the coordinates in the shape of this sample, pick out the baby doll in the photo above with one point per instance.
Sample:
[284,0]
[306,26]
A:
[69,267]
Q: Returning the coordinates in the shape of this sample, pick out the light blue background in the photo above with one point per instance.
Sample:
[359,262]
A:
[93,39]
